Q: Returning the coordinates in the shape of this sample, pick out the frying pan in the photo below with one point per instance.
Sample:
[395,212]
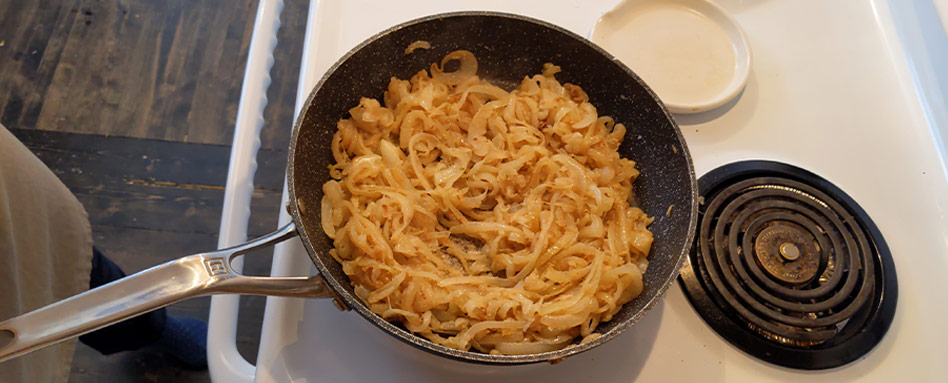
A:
[508,47]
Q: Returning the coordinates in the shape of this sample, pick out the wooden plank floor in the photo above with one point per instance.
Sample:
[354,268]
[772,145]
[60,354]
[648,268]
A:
[167,70]
[132,104]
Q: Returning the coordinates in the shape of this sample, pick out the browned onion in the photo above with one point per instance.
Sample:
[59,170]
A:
[467,69]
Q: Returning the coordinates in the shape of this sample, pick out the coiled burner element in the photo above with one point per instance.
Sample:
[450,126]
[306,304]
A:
[787,267]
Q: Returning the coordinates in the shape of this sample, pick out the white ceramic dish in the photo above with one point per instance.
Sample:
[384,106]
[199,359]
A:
[690,52]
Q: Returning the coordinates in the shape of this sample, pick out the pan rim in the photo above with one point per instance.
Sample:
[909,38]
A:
[469,356]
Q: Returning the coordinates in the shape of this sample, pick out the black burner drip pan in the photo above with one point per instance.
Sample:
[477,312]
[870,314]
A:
[788,268]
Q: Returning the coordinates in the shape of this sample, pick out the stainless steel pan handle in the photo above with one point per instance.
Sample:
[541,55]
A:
[159,286]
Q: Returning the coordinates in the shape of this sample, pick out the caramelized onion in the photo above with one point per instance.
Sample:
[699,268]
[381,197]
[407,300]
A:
[466,70]
[420,44]
[483,219]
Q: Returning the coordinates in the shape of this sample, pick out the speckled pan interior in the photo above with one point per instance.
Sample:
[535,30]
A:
[507,47]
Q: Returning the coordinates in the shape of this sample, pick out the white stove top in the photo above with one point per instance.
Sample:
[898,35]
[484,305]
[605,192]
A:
[833,89]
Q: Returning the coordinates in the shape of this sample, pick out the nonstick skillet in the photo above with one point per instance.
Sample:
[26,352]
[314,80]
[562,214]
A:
[508,47]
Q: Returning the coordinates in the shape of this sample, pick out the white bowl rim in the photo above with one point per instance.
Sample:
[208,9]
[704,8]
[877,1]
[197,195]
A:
[717,14]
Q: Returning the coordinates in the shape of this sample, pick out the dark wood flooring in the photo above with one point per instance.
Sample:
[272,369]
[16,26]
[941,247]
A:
[168,70]
[132,104]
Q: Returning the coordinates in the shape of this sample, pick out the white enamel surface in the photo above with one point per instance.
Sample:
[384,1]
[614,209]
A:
[690,52]
[831,91]
[225,364]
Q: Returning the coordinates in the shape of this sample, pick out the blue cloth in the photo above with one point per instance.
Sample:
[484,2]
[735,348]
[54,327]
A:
[127,335]
[184,338]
